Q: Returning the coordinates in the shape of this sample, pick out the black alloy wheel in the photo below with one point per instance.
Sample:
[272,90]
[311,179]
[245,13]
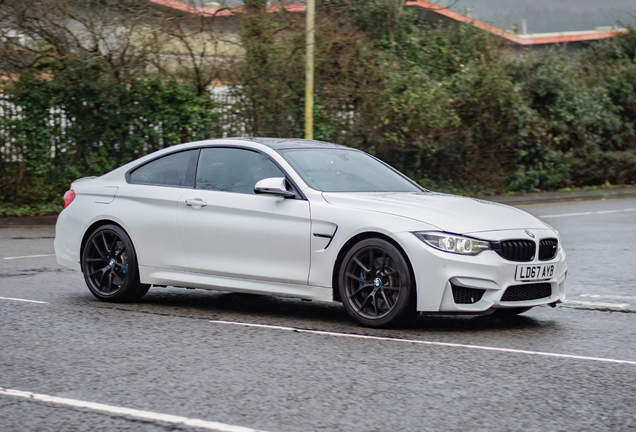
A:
[109,265]
[376,285]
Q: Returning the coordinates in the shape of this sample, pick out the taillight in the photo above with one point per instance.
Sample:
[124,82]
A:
[69,196]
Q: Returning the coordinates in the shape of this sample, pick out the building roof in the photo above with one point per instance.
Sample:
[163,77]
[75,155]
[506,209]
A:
[435,14]
[447,15]
[222,11]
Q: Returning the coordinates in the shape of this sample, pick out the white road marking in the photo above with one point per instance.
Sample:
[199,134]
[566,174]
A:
[130,412]
[616,297]
[616,211]
[29,256]
[598,304]
[422,342]
[566,215]
[23,300]
[587,213]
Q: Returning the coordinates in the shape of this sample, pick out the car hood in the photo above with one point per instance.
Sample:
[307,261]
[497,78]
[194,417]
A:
[451,213]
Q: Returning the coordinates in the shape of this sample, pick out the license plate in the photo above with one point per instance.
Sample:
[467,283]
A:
[534,272]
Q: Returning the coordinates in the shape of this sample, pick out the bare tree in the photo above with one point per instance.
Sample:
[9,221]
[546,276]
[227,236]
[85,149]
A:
[193,45]
[74,34]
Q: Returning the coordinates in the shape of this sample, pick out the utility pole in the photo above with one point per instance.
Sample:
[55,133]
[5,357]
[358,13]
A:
[309,70]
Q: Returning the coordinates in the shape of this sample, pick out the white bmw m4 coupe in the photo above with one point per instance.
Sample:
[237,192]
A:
[305,219]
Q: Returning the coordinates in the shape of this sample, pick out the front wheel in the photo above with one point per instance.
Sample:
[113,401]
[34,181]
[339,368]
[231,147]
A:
[376,286]
[109,265]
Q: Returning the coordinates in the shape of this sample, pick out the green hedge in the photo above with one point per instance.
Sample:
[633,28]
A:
[451,107]
[57,130]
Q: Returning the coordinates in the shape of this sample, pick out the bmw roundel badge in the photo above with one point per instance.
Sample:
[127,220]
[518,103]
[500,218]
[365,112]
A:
[529,233]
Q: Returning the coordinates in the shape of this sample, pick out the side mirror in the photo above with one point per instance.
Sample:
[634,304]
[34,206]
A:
[273,186]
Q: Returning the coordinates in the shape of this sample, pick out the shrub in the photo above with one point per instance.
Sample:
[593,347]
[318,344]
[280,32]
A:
[66,127]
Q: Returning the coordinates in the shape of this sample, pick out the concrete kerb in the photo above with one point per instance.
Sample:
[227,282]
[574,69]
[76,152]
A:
[560,197]
[28,222]
[513,200]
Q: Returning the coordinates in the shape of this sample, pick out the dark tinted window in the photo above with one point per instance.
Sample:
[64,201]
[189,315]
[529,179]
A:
[176,169]
[233,169]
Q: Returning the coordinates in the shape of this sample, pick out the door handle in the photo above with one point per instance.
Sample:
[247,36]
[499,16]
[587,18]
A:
[196,203]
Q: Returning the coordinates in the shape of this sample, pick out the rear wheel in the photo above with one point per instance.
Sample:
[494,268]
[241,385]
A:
[376,286]
[110,267]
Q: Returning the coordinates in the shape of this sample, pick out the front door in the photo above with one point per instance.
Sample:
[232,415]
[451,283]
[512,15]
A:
[227,230]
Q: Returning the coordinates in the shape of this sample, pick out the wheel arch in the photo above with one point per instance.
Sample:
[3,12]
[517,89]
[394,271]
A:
[91,229]
[352,242]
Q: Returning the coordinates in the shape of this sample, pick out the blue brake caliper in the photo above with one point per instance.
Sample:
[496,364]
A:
[363,293]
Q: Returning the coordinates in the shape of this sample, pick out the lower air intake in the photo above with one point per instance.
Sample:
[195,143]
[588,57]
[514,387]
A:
[523,292]
[463,295]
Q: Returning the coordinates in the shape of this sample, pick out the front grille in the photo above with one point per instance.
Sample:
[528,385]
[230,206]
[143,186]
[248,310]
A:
[548,249]
[532,291]
[463,295]
[515,250]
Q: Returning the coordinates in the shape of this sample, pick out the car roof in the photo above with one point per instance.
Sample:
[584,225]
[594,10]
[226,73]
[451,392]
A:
[276,144]
[290,143]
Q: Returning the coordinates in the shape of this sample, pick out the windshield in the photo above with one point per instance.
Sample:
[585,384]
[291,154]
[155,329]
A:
[342,170]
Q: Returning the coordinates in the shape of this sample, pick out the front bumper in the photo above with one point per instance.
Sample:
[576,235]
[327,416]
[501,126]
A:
[487,275]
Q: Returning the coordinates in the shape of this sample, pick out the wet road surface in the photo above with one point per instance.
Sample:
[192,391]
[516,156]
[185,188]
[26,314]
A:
[71,363]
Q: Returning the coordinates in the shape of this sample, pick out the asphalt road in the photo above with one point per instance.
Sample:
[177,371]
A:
[177,360]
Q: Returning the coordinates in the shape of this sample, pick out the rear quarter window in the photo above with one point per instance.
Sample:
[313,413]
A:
[176,169]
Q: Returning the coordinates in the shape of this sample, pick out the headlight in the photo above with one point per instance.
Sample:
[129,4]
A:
[453,243]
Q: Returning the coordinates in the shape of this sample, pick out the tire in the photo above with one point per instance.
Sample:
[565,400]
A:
[376,285]
[109,264]
[509,312]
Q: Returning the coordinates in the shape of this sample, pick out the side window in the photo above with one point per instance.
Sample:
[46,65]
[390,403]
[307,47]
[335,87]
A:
[176,169]
[233,169]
